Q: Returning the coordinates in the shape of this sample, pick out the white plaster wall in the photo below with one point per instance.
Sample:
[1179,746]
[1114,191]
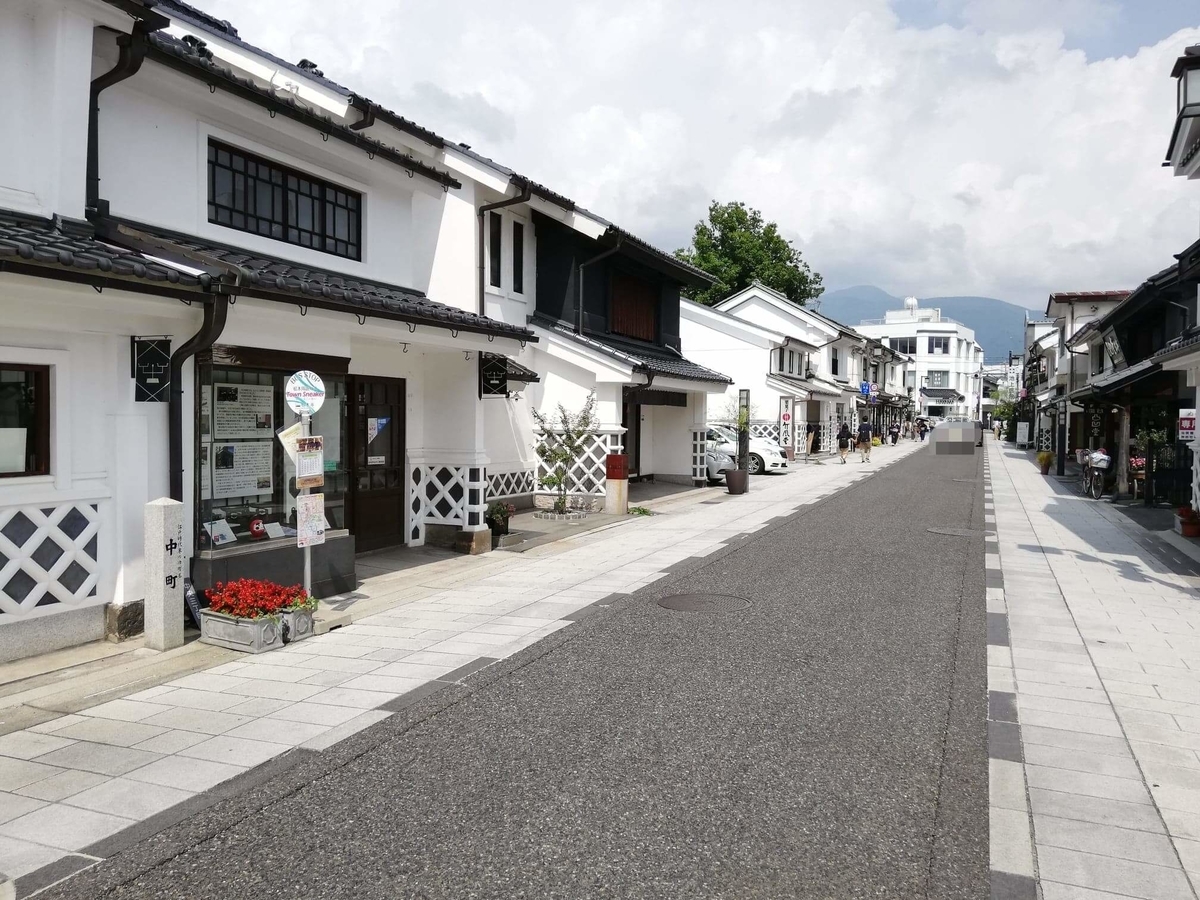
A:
[154,131]
[116,451]
[568,384]
[45,67]
[747,363]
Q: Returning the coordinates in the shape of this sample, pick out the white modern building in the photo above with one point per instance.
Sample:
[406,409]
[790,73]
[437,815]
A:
[947,371]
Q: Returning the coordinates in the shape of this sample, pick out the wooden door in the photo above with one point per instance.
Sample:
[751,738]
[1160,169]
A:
[631,421]
[379,473]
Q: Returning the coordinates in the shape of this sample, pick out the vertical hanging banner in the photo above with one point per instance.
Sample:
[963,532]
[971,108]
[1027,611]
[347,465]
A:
[787,433]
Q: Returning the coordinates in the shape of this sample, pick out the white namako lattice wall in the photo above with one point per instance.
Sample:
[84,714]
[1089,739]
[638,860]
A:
[48,557]
[446,495]
[588,474]
[505,485]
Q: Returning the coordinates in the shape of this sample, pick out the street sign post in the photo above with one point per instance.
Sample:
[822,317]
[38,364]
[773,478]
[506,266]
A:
[305,394]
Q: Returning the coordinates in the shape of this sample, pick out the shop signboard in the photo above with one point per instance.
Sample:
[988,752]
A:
[1096,422]
[1187,425]
[493,375]
[786,432]
[304,393]
[1022,434]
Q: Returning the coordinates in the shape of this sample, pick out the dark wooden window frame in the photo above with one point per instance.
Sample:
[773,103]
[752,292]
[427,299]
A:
[41,425]
[615,273]
[518,257]
[495,249]
[270,198]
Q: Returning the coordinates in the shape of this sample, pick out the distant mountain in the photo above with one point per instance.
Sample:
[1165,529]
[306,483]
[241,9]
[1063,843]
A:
[999,326]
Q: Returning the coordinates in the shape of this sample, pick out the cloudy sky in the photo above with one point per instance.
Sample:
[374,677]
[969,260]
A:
[998,147]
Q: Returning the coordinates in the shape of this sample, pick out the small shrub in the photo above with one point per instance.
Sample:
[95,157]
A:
[639,511]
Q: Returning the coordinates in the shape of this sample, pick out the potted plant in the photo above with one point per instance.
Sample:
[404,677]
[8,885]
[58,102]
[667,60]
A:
[297,613]
[1045,459]
[1187,522]
[737,480]
[497,516]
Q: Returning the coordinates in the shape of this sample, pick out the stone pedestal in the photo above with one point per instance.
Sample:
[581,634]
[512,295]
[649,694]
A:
[163,608]
[473,542]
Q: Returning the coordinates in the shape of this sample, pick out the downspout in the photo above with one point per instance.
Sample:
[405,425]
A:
[579,287]
[523,197]
[215,314]
[132,53]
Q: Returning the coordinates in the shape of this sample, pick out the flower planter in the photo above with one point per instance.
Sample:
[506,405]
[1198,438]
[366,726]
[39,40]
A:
[248,635]
[297,624]
[1187,527]
[498,526]
[1045,468]
[737,481]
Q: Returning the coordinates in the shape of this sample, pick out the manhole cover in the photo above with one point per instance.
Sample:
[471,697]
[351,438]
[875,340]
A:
[709,603]
[959,532]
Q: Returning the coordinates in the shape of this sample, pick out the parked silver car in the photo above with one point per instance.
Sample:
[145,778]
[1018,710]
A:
[765,456]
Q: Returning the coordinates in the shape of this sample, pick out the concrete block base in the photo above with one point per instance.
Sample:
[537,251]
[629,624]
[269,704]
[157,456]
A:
[124,621]
[473,542]
[69,628]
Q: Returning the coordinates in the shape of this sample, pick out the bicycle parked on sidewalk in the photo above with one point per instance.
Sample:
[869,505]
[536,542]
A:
[1097,472]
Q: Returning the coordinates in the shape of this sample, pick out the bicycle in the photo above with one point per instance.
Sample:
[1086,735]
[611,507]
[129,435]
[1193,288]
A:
[1096,467]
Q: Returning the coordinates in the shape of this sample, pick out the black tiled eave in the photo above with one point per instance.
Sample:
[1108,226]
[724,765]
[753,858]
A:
[174,53]
[67,244]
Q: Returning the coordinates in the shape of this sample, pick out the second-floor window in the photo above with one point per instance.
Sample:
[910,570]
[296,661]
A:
[833,361]
[903,345]
[518,257]
[939,345]
[249,193]
[633,308]
[791,362]
[939,379]
[495,248]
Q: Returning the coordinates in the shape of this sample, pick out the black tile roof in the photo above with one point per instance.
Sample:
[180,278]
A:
[191,60]
[222,28]
[277,279]
[64,244]
[659,362]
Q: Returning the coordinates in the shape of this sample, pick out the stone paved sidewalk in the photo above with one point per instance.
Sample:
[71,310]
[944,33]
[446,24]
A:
[1094,690]
[68,784]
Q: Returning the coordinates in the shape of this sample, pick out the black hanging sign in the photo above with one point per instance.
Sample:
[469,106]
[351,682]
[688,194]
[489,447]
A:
[1096,423]
[151,364]
[493,375]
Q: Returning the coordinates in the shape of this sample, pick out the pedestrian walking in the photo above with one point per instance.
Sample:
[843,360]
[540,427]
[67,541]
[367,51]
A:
[864,441]
[922,428]
[843,442]
[894,431]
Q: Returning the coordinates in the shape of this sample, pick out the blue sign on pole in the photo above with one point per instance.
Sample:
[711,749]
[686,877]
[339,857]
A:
[865,387]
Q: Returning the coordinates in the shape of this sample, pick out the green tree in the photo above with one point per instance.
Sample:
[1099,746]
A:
[562,444]
[736,247]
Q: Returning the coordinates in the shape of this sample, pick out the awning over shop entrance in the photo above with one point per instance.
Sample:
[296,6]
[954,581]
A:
[1115,381]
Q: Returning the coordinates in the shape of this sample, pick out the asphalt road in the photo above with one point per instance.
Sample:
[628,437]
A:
[826,742]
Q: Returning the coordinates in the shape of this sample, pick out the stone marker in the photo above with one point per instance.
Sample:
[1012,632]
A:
[164,574]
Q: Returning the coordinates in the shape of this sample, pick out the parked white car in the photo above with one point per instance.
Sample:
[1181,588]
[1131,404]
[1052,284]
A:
[765,456]
[718,462]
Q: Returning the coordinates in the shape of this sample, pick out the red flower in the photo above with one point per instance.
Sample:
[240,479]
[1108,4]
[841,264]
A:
[250,598]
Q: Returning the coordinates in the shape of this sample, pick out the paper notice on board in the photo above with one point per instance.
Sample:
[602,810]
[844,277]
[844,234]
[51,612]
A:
[206,471]
[372,428]
[288,438]
[243,410]
[310,520]
[241,468]
[310,462]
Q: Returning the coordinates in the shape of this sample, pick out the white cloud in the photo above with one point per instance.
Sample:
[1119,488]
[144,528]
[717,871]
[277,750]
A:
[983,159]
